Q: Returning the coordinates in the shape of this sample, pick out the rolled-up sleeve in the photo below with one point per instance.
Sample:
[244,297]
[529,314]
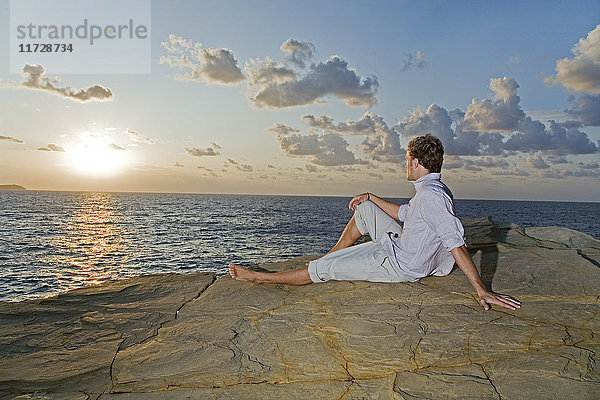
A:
[402,212]
[437,211]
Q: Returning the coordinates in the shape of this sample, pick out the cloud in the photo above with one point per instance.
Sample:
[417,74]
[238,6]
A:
[439,122]
[51,147]
[511,172]
[277,85]
[585,109]
[11,139]
[490,162]
[217,66]
[199,152]
[496,127]
[35,79]
[220,66]
[239,166]
[537,162]
[347,169]
[498,115]
[293,81]
[514,60]
[245,167]
[282,129]
[452,162]
[582,72]
[138,138]
[311,168]
[474,164]
[299,52]
[576,173]
[589,165]
[582,172]
[559,139]
[113,146]
[557,159]
[364,126]
[552,174]
[179,45]
[382,143]
[329,149]
[266,72]
[417,61]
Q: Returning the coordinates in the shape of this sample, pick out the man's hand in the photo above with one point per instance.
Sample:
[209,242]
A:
[358,200]
[487,298]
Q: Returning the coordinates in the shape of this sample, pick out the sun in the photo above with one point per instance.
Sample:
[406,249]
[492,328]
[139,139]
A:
[98,155]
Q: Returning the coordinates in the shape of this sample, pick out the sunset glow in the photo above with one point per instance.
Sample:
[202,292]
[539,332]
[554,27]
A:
[97,156]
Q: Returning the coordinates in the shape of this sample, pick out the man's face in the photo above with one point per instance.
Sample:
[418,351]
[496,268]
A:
[411,166]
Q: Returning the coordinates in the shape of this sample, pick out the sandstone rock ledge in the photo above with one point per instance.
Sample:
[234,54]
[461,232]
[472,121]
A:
[191,337]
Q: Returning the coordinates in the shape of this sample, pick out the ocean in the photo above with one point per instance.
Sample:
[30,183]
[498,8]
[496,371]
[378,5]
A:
[55,241]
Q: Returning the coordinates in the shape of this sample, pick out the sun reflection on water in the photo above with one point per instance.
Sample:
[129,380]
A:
[94,244]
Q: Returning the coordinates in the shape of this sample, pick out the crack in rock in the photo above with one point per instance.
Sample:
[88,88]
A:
[276,346]
[585,257]
[329,339]
[110,370]
[347,391]
[487,375]
[196,297]
[156,331]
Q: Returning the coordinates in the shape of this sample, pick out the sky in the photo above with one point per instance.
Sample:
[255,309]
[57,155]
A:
[319,98]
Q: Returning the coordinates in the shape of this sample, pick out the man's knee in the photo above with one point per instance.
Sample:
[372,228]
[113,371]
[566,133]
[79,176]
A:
[364,207]
[362,215]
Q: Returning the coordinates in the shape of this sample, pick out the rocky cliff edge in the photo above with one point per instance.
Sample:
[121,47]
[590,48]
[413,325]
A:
[197,337]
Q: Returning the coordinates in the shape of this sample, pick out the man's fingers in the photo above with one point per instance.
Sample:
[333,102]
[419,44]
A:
[353,203]
[509,300]
[500,300]
[484,304]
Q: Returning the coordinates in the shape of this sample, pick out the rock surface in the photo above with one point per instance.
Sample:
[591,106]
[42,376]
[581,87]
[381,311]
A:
[189,336]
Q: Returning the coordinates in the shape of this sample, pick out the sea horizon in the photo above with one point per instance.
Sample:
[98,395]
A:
[282,194]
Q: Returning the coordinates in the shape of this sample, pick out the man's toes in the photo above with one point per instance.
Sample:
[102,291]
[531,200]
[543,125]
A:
[232,271]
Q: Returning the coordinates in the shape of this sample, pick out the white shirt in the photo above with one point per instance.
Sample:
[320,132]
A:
[431,230]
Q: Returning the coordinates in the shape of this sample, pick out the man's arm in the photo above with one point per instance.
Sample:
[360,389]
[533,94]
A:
[464,261]
[388,207]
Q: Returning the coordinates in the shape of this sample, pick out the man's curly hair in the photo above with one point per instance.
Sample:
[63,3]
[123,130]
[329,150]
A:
[429,150]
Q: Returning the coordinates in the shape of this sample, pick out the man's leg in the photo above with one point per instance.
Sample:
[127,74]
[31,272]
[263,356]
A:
[296,277]
[348,237]
[372,220]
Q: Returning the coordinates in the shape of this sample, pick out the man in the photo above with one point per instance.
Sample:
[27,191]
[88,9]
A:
[428,243]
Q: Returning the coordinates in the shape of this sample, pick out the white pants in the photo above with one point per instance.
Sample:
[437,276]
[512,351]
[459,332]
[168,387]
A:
[366,261]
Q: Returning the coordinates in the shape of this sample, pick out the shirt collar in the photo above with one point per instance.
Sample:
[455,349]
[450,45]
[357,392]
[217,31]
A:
[432,176]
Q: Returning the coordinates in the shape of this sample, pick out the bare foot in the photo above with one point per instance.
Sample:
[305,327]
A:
[243,274]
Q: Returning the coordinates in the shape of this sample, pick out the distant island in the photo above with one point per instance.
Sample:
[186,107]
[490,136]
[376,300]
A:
[12,187]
